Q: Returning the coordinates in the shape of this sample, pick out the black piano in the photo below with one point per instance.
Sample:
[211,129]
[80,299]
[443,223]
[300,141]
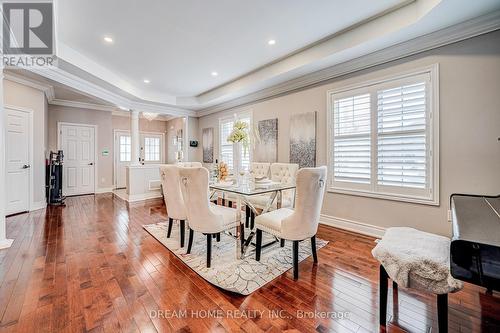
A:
[475,245]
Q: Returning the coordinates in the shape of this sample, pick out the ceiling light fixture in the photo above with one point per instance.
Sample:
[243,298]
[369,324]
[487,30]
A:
[146,81]
[108,39]
[214,73]
[271,42]
[150,115]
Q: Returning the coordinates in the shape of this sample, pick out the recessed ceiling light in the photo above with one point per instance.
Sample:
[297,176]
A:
[123,108]
[108,39]
[146,81]
[214,73]
[271,42]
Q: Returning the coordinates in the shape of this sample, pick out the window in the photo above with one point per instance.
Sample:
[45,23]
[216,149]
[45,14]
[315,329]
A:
[226,150]
[352,144]
[383,138]
[125,148]
[152,149]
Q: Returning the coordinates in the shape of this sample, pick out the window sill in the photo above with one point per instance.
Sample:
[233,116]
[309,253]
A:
[388,196]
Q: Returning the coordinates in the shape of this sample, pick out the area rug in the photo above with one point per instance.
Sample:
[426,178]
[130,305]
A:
[242,276]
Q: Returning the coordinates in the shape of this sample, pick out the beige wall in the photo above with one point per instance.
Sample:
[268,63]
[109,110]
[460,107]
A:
[123,123]
[16,94]
[173,126]
[469,75]
[104,136]
[106,123]
[194,153]
[157,126]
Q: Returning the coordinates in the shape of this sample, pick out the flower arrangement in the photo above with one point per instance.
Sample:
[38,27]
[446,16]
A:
[240,135]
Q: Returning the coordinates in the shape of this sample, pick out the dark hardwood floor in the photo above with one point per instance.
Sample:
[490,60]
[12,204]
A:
[91,267]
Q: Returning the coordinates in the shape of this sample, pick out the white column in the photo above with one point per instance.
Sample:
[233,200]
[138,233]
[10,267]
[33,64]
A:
[4,242]
[134,134]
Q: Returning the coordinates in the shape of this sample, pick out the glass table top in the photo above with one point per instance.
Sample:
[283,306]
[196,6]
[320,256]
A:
[251,188]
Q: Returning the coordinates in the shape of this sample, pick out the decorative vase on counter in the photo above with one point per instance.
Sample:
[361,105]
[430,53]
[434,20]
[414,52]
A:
[237,162]
[179,156]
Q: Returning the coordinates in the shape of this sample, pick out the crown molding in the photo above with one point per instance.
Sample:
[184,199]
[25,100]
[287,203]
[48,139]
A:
[161,108]
[109,108]
[46,89]
[97,91]
[467,29]
[82,105]
[449,35]
[122,113]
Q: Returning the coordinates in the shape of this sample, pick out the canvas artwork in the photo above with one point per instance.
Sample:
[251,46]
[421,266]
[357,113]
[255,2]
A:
[266,148]
[303,139]
[208,145]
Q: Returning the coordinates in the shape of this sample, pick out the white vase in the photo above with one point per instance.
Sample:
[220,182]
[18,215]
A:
[237,162]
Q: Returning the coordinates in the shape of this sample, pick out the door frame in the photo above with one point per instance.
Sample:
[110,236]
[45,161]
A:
[96,155]
[31,201]
[116,151]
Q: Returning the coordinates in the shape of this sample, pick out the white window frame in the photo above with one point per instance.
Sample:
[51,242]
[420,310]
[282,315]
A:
[120,149]
[374,190]
[240,115]
[161,141]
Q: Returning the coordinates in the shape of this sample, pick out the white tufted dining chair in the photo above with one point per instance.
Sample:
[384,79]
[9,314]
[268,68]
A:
[176,209]
[189,164]
[300,223]
[260,169]
[257,169]
[203,216]
[282,173]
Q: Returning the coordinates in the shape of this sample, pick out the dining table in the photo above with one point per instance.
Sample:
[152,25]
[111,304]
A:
[243,191]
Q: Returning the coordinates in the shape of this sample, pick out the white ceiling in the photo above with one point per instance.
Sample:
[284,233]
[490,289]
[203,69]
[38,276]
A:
[177,44]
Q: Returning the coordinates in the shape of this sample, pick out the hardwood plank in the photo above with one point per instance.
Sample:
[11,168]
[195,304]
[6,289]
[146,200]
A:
[91,267]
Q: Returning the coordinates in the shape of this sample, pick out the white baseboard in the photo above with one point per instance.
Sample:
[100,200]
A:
[38,205]
[144,196]
[104,190]
[359,227]
[5,243]
[138,197]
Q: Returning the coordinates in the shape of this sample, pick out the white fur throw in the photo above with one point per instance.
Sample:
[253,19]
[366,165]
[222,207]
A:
[417,259]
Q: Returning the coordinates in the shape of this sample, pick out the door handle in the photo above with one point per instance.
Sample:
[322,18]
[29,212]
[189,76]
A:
[91,163]
[26,166]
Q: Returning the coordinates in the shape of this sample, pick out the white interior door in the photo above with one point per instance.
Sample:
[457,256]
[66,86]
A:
[78,145]
[123,156]
[17,158]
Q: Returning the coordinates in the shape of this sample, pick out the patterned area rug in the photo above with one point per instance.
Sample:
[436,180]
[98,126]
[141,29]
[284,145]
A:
[239,276]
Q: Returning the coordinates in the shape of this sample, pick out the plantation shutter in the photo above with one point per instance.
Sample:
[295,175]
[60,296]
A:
[352,143]
[226,148]
[384,138]
[402,158]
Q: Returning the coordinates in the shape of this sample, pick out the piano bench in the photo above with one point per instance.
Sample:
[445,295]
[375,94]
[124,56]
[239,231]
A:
[418,260]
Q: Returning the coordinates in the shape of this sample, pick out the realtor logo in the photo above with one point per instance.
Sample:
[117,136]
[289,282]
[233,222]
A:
[27,28]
